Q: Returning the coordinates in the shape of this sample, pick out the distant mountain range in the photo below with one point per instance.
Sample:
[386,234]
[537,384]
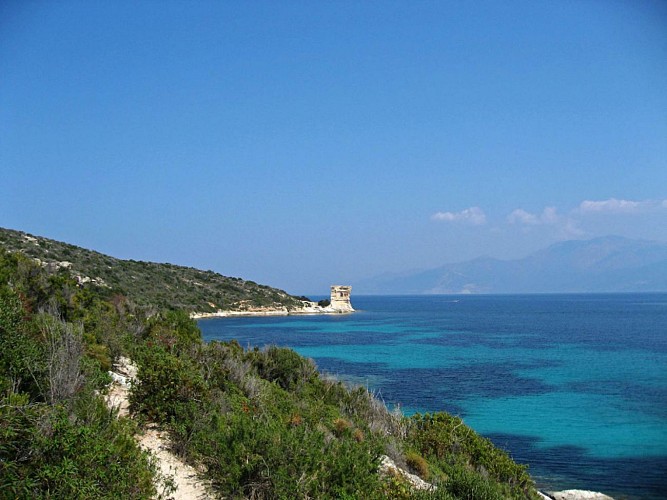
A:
[608,264]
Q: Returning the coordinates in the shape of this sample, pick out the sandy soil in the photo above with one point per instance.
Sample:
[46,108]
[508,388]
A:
[184,477]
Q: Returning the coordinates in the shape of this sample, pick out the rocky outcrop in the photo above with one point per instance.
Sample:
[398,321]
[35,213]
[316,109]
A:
[306,308]
[255,311]
[339,303]
[388,466]
[574,495]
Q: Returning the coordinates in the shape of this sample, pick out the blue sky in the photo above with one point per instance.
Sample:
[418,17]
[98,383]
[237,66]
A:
[301,144]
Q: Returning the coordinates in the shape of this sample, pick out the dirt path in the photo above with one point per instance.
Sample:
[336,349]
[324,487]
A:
[175,472]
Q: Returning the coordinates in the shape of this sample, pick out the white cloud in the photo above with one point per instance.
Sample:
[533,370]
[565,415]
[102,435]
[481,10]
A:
[612,205]
[559,226]
[565,224]
[473,215]
[590,217]
[520,216]
[549,216]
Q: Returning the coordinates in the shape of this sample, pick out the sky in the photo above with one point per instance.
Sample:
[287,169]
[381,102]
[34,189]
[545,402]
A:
[302,144]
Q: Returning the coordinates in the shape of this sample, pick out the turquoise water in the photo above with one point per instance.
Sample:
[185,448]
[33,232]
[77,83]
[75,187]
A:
[573,385]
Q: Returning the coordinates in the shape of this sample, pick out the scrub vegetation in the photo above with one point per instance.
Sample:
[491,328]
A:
[259,422]
[149,283]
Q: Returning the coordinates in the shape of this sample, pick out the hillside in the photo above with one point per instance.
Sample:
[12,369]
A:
[609,264]
[255,423]
[148,283]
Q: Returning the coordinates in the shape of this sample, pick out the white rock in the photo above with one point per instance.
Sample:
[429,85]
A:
[578,495]
[119,379]
[387,465]
[126,367]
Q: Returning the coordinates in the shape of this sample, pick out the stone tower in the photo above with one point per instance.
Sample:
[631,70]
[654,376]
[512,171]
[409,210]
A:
[340,298]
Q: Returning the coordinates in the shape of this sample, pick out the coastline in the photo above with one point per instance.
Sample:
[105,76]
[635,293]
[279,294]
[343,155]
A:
[309,309]
[546,491]
[573,495]
[339,304]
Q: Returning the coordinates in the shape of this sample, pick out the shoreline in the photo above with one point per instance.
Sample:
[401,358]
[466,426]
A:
[573,494]
[312,310]
[339,304]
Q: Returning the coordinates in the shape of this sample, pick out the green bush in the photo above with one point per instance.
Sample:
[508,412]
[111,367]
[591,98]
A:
[21,354]
[463,455]
[250,457]
[165,384]
[47,452]
[465,484]
[417,464]
[285,367]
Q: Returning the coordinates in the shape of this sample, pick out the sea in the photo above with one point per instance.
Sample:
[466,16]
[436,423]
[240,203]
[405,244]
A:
[574,385]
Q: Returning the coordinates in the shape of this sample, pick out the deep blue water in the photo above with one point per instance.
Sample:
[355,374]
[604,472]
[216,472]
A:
[573,385]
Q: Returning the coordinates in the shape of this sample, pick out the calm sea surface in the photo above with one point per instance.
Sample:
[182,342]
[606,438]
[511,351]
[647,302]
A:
[574,385]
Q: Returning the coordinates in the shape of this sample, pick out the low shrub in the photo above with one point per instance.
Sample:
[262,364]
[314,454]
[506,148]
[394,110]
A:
[466,484]
[166,385]
[48,452]
[460,453]
[417,464]
[285,367]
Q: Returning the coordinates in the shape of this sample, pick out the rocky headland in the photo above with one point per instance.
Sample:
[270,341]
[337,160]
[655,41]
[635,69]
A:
[339,303]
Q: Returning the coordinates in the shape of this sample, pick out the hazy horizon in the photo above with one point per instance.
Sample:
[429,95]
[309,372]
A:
[299,145]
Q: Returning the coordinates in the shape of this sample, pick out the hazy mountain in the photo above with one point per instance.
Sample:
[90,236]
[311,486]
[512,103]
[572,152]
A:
[608,264]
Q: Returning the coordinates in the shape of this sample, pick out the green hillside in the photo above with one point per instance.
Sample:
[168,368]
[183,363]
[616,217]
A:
[148,283]
[256,423]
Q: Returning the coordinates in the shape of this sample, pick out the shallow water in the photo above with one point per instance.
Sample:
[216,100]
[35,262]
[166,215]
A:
[574,385]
